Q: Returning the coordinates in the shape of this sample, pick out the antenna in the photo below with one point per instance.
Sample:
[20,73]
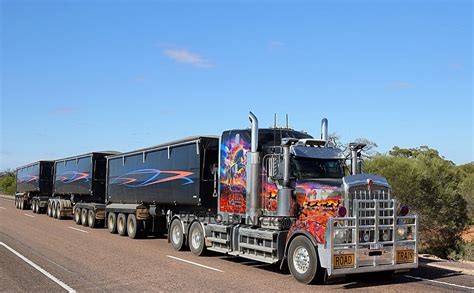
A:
[275,121]
[287,121]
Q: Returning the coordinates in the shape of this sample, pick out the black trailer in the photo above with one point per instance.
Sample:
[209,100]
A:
[79,188]
[146,185]
[34,185]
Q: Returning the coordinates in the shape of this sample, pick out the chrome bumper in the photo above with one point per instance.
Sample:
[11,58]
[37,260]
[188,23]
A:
[373,255]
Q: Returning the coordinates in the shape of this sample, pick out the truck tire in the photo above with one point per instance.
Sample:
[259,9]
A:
[303,260]
[112,223]
[84,215]
[58,211]
[176,235]
[35,207]
[196,239]
[77,216]
[134,229]
[53,209]
[122,224]
[91,219]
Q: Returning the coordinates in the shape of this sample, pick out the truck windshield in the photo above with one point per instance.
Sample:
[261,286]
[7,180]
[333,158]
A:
[317,168]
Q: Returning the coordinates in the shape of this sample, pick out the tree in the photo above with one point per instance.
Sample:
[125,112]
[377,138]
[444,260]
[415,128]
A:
[7,182]
[431,185]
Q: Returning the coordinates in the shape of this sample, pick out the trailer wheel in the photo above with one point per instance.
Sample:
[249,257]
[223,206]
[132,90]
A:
[122,224]
[91,219]
[84,215]
[196,239]
[112,223]
[77,216]
[176,235]
[134,228]
[302,260]
[35,207]
[58,210]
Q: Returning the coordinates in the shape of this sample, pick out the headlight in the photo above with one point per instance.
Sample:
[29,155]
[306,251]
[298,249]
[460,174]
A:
[402,232]
[340,235]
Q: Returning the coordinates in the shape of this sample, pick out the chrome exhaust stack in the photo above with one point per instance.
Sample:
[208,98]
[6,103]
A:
[357,165]
[253,178]
[324,129]
[285,193]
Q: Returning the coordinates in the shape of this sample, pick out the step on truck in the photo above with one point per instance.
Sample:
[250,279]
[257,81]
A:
[79,189]
[276,195]
[34,186]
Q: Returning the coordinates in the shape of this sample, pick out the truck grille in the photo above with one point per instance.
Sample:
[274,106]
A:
[366,204]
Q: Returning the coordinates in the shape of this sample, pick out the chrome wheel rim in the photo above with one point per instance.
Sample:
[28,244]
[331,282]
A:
[176,235]
[196,238]
[301,260]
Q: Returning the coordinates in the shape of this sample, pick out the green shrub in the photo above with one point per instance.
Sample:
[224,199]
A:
[432,187]
[7,184]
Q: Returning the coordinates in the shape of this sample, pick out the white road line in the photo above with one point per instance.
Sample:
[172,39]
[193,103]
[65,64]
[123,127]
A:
[29,216]
[78,229]
[194,263]
[41,270]
[3,208]
[439,282]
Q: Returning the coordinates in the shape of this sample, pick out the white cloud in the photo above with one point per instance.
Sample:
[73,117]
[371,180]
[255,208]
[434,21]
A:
[64,110]
[187,57]
[401,85]
[275,45]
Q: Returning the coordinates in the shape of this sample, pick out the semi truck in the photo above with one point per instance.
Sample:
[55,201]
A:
[79,189]
[34,186]
[274,195]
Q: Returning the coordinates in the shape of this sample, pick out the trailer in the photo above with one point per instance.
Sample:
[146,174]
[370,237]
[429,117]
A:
[34,186]
[79,189]
[146,186]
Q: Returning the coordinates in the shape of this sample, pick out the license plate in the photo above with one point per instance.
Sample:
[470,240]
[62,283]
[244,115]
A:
[343,260]
[376,246]
[405,256]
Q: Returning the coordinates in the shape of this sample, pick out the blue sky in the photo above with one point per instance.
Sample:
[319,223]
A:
[79,76]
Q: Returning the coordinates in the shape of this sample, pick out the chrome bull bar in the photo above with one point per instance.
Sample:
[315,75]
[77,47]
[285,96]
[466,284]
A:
[374,251]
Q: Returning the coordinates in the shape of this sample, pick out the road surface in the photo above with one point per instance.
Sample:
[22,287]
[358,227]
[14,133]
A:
[41,253]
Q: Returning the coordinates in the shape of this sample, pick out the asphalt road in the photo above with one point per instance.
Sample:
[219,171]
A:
[70,256]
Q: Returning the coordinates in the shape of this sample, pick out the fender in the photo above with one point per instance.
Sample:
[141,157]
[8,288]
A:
[288,241]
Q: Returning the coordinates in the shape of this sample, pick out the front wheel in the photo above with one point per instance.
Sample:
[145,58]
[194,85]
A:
[196,239]
[176,235]
[303,260]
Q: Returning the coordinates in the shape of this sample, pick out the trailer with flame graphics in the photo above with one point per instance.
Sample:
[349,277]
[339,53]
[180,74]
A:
[146,185]
[34,186]
[79,189]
